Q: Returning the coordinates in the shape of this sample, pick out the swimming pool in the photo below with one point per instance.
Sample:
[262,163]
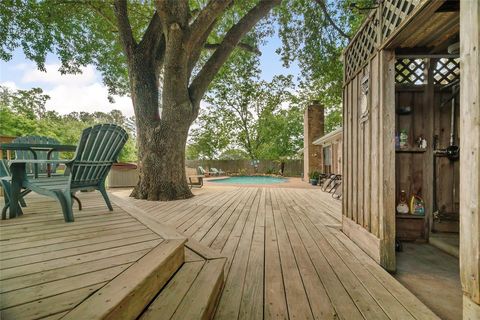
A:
[250,180]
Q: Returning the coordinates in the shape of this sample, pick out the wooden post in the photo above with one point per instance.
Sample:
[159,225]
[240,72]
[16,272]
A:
[387,160]
[470,157]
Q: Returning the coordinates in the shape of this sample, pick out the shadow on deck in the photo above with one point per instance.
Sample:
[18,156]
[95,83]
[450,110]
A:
[285,258]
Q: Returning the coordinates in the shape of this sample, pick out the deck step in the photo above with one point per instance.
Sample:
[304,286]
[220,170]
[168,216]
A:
[127,295]
[191,294]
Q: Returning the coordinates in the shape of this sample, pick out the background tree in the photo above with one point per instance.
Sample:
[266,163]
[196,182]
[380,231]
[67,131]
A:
[256,119]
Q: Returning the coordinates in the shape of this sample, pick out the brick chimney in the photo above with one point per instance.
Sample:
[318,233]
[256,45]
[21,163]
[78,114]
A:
[313,128]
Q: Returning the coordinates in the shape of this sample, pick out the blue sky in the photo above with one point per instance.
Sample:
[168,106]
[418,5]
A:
[86,92]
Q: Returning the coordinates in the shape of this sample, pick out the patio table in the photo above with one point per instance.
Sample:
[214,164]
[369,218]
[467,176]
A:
[39,147]
[19,176]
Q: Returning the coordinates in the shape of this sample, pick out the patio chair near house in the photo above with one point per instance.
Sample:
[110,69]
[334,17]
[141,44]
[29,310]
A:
[96,152]
[330,182]
[338,191]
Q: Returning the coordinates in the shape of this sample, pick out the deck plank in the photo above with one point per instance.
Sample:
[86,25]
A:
[251,306]
[275,302]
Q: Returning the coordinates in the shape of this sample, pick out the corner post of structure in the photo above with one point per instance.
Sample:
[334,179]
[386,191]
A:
[470,157]
[387,158]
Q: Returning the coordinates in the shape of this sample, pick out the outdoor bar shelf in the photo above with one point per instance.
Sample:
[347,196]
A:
[409,150]
[409,216]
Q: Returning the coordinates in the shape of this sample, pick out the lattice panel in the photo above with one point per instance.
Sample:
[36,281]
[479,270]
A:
[446,71]
[394,12]
[362,47]
[410,71]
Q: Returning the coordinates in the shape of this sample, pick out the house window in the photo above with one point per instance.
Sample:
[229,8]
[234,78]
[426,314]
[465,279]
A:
[327,159]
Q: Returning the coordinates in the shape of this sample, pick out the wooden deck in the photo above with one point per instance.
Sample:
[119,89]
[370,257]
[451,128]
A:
[286,259]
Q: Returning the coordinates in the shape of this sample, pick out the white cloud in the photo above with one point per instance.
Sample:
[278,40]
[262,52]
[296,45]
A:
[68,93]
[53,76]
[20,66]
[92,97]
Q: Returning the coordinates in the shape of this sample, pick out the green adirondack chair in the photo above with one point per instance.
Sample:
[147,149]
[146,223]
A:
[97,150]
[6,186]
[41,168]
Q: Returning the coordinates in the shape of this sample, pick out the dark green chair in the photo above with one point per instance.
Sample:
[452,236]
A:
[38,169]
[5,177]
[97,150]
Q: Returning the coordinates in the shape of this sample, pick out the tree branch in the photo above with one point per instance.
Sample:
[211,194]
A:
[99,10]
[241,45]
[323,6]
[153,34]
[201,28]
[124,27]
[205,19]
[201,82]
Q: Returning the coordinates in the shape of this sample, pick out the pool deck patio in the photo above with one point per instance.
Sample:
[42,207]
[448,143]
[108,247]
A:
[286,258]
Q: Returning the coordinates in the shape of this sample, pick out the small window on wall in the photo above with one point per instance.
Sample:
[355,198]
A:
[364,98]
[327,156]
[327,159]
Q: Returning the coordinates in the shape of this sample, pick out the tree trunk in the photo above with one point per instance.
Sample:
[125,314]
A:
[161,141]
[162,164]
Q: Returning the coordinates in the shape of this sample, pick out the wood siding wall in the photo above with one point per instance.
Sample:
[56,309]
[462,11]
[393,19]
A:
[369,161]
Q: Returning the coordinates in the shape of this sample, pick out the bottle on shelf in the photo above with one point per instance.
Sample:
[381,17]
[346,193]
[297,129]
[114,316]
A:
[402,206]
[417,205]
[403,139]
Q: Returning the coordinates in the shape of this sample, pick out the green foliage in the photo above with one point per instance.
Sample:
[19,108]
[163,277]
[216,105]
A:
[315,175]
[270,171]
[258,119]
[23,113]
[233,154]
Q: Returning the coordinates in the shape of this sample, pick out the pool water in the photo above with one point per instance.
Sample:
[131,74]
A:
[250,180]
